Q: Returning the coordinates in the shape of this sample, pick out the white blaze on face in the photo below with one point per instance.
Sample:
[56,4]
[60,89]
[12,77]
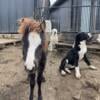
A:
[34,41]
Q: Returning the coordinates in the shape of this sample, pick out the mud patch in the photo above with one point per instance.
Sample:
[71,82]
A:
[13,85]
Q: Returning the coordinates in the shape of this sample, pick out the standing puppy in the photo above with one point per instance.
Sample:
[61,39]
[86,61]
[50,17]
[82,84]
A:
[77,53]
[53,39]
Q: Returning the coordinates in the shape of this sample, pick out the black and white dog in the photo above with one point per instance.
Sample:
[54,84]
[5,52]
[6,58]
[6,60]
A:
[77,53]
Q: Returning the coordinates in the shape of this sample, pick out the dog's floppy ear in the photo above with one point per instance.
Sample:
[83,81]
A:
[43,25]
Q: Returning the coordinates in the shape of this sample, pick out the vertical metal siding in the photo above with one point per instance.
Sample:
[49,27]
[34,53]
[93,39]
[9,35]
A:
[85,16]
[63,16]
[11,10]
[3,15]
[12,15]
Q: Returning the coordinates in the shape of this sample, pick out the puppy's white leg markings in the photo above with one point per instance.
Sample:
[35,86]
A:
[77,72]
[63,72]
[92,67]
[67,70]
[67,61]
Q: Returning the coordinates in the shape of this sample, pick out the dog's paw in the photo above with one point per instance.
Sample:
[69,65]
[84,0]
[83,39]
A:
[63,73]
[40,98]
[92,67]
[67,70]
[77,72]
[78,75]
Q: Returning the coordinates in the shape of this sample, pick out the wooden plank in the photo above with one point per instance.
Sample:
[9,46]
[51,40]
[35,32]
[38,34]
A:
[90,47]
[5,42]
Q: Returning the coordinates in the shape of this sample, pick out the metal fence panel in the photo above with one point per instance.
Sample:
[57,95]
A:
[11,10]
[77,15]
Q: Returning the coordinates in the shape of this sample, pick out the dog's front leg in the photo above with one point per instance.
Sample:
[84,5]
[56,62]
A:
[77,72]
[77,69]
[88,62]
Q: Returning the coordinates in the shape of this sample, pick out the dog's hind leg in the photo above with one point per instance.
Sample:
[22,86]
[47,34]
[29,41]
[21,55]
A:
[88,62]
[62,67]
[67,69]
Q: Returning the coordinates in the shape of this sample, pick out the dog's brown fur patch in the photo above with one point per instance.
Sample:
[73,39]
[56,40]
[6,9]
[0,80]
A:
[33,25]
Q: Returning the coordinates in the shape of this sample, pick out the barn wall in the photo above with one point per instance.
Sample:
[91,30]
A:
[11,10]
[77,16]
[65,17]
[85,16]
[62,16]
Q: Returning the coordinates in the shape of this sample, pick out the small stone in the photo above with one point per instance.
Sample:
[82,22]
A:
[97,97]
[77,95]
[93,84]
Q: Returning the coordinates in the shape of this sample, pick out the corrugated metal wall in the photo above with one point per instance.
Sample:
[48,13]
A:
[77,15]
[65,16]
[11,10]
[85,16]
[62,15]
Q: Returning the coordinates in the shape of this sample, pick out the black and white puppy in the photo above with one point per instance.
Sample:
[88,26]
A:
[77,53]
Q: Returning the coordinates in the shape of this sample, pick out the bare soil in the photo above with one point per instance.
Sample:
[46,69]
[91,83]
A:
[13,85]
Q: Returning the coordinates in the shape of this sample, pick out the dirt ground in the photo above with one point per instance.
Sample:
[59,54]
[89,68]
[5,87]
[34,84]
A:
[13,84]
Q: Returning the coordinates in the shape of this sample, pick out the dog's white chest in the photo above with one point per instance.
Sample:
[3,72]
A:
[83,49]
